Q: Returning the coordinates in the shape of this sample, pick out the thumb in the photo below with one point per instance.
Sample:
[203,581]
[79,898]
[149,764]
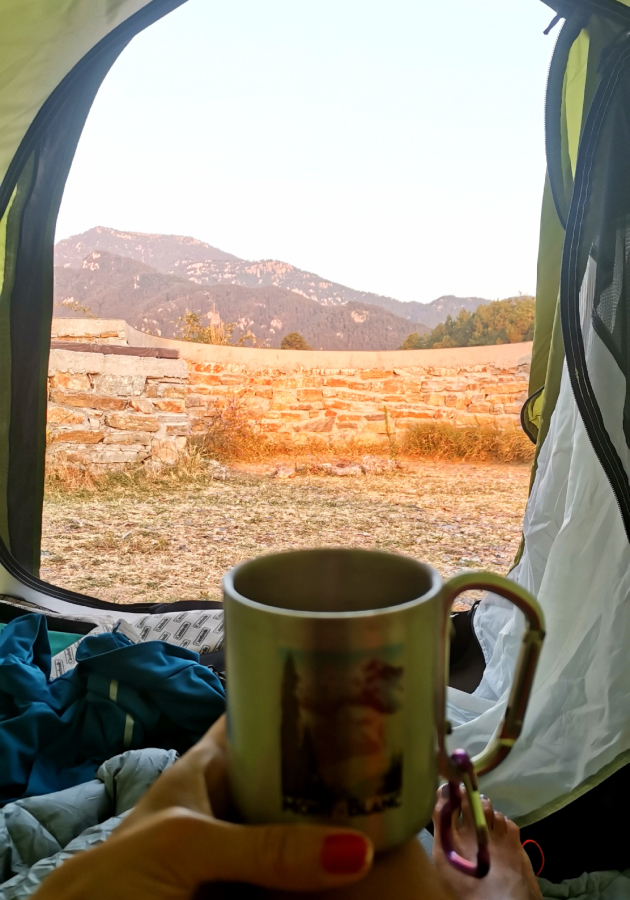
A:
[285,857]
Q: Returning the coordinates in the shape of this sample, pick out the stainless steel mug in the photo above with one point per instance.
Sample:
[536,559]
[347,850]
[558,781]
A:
[336,671]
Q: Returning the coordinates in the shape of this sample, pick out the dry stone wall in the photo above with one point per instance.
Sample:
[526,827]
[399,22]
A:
[116,410]
[111,409]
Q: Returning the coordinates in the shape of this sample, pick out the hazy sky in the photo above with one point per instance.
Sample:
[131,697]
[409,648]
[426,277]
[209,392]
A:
[394,146]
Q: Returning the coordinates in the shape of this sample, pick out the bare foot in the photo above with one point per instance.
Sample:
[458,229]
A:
[511,876]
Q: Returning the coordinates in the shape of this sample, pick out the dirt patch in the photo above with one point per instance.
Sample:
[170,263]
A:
[162,542]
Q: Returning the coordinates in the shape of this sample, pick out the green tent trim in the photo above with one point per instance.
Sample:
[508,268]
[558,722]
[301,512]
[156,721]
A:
[30,195]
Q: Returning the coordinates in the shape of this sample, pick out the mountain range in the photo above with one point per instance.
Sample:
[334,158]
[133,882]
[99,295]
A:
[151,280]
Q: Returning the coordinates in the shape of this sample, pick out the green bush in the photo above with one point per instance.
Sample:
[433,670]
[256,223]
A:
[294,341]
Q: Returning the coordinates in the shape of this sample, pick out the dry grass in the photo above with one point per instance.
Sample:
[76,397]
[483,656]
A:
[64,478]
[137,536]
[442,441]
[231,437]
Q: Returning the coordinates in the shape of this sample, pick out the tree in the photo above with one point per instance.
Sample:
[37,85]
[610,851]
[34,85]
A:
[77,307]
[217,332]
[294,341]
[501,322]
[411,341]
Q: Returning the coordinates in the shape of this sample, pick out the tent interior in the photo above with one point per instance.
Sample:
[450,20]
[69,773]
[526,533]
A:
[569,768]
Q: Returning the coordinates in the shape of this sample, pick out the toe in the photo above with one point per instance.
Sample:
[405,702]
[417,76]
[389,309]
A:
[442,798]
[512,830]
[500,824]
[468,821]
[488,811]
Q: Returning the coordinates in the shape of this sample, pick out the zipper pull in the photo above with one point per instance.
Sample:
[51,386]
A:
[552,24]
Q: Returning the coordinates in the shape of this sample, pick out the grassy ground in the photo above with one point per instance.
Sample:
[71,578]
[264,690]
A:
[163,541]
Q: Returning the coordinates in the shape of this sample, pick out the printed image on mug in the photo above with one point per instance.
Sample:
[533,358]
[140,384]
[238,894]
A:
[342,731]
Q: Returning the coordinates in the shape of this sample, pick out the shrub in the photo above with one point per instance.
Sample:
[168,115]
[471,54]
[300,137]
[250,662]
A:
[294,341]
[192,329]
[442,441]
[231,436]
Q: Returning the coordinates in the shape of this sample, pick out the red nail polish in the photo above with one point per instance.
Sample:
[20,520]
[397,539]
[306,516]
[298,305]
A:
[344,854]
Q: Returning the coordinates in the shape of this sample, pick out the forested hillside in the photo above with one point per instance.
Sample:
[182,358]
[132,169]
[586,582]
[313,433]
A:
[119,287]
[501,322]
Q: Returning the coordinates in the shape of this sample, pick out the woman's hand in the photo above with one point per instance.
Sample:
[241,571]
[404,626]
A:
[172,842]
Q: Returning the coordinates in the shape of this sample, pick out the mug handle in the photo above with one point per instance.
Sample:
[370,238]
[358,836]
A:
[459,767]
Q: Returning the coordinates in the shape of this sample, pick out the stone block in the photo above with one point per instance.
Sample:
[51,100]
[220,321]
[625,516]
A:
[170,405]
[57,415]
[376,427]
[403,414]
[172,419]
[348,396]
[69,381]
[178,430]
[435,399]
[310,395]
[375,374]
[317,426]
[479,408]
[349,383]
[128,437]
[119,455]
[282,399]
[141,405]
[71,361]
[165,451]
[172,391]
[204,378]
[88,400]
[347,425]
[337,404]
[76,437]
[144,366]
[120,385]
[195,401]
[132,422]
[203,367]
[509,387]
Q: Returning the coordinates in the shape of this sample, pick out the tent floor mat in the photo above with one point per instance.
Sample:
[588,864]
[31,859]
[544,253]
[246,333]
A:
[588,835]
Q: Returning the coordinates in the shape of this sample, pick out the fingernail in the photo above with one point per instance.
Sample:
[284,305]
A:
[344,854]
[445,791]
[483,797]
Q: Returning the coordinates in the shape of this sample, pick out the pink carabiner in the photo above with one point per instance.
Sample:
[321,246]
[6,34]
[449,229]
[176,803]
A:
[453,805]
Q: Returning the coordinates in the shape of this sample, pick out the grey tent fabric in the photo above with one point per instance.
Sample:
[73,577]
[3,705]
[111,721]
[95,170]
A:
[37,834]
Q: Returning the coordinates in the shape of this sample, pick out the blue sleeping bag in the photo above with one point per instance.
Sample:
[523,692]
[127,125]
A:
[121,696]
